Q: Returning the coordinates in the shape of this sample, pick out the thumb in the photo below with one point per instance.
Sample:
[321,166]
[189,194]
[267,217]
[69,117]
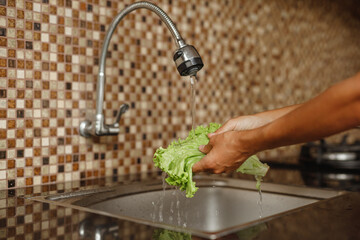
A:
[205,148]
[224,128]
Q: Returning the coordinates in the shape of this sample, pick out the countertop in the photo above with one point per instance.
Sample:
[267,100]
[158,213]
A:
[22,218]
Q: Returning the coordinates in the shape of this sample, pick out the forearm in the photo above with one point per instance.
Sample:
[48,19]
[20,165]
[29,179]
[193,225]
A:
[335,110]
[272,115]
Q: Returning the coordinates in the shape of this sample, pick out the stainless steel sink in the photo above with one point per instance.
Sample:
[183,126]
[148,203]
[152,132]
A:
[221,205]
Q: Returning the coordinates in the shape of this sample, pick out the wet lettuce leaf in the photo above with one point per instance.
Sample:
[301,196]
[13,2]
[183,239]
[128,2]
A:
[179,157]
[253,166]
[164,234]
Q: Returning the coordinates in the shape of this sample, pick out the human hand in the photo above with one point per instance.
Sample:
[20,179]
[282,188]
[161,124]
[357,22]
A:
[238,139]
[225,152]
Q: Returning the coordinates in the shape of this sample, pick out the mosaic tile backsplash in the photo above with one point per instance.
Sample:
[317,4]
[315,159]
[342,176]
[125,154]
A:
[258,55]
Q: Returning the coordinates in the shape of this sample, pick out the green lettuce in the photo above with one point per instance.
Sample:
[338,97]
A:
[164,234]
[179,157]
[253,166]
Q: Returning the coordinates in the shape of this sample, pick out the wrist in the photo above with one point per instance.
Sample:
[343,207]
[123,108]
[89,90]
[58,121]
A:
[251,141]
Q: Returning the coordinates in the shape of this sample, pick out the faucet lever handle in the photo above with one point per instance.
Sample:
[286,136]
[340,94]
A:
[123,109]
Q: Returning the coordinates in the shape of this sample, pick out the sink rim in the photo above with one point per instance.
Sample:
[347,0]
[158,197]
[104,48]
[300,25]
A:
[201,181]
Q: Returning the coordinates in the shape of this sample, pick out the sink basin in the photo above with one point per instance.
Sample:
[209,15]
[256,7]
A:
[221,205]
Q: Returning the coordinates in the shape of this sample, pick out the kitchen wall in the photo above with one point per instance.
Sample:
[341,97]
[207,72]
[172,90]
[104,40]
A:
[258,55]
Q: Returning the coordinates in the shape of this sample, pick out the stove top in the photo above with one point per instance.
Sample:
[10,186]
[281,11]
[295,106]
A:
[335,156]
[331,178]
[324,176]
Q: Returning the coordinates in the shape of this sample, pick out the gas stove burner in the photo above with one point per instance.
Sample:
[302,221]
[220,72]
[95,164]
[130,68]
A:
[337,156]
[336,179]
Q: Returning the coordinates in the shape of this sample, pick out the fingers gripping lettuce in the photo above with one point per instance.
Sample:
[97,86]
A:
[178,159]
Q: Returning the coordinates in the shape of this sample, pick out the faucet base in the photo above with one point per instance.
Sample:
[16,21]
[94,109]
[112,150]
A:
[83,129]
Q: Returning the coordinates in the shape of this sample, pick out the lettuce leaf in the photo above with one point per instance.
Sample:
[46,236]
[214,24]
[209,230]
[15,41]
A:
[164,234]
[253,166]
[179,157]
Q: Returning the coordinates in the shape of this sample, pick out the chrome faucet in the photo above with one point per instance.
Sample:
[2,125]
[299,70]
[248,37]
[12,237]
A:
[187,60]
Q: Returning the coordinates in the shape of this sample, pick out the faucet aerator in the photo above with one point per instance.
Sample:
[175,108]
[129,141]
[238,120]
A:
[187,60]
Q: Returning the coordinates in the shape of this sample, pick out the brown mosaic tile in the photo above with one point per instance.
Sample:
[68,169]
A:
[60,122]
[29,123]
[53,38]
[20,172]
[75,167]
[37,36]
[20,44]
[3,134]
[11,3]
[29,65]
[45,18]
[11,83]
[11,52]
[53,151]
[2,11]
[11,63]
[53,178]
[61,159]
[37,152]
[11,103]
[45,179]
[29,142]
[37,132]
[53,66]
[3,63]
[19,133]
[20,14]
[3,93]
[28,162]
[45,85]
[53,132]
[37,55]
[37,75]
[45,65]
[28,5]
[11,23]
[11,163]
[21,64]
[52,10]
[37,171]
[20,93]
[28,103]
[37,94]
[45,47]
[28,25]
[10,212]
[29,181]
[11,143]
[3,73]
[20,34]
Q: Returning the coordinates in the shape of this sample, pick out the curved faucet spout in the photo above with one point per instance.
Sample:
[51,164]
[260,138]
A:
[187,60]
